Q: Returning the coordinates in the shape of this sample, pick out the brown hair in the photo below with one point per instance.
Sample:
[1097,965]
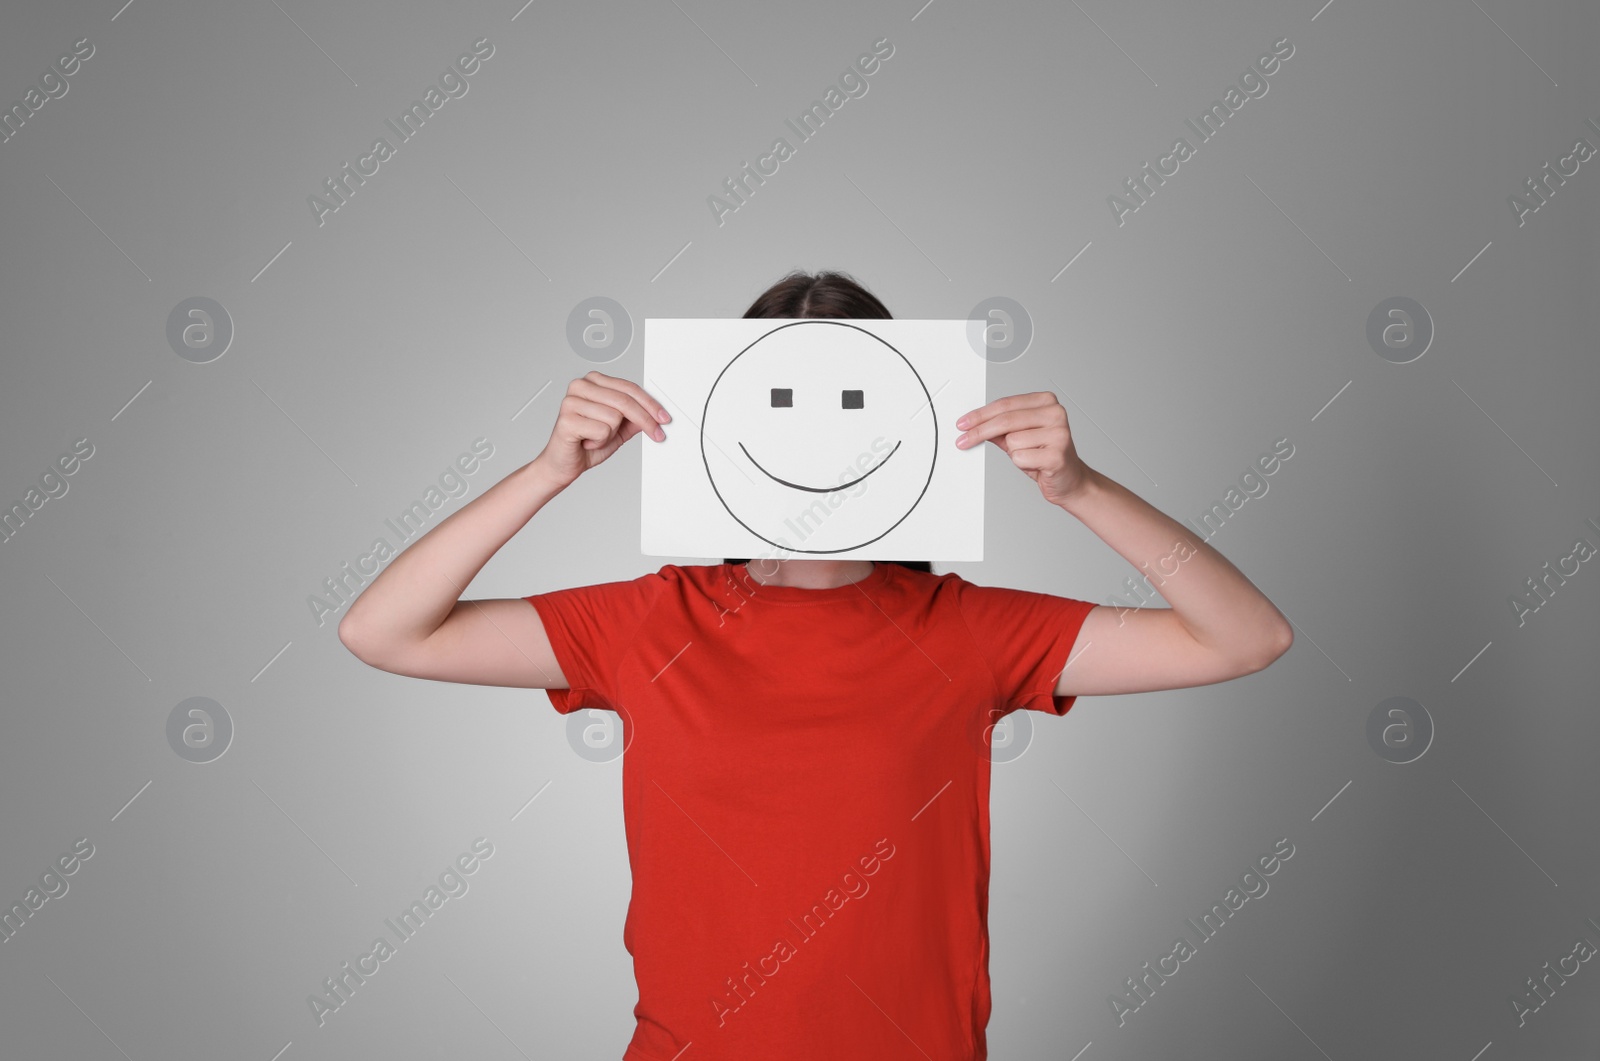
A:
[802,294]
[824,294]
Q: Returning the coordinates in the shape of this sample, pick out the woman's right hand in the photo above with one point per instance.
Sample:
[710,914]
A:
[598,414]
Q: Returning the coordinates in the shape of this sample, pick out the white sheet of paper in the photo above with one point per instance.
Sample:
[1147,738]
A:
[861,465]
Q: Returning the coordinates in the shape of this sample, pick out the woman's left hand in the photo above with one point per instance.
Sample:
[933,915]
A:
[1032,430]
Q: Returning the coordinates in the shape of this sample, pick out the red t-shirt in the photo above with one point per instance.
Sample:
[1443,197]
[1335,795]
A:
[806,799]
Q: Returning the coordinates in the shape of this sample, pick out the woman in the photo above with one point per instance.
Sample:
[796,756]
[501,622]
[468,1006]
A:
[806,780]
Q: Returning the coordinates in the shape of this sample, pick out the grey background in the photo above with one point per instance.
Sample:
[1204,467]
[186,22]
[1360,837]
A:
[1228,312]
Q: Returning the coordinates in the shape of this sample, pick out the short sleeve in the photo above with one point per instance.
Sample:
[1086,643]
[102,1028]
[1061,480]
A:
[591,630]
[1025,638]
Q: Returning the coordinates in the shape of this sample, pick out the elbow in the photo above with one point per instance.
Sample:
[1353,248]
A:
[350,637]
[1265,652]
[1279,643]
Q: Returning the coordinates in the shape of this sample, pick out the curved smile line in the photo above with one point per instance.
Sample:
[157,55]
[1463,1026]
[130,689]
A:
[819,489]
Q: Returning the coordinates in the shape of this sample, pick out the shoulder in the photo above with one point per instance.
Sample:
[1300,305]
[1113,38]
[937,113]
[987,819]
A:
[674,575]
[687,582]
[995,607]
[624,593]
[693,575]
[946,586]
[925,591]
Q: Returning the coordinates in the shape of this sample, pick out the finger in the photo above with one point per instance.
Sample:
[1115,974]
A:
[656,410]
[626,407]
[1031,438]
[1015,420]
[632,400]
[628,430]
[589,419]
[602,450]
[1020,403]
[1035,458]
[1006,404]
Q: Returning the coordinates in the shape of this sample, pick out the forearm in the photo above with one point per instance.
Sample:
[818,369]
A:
[1218,605]
[417,590]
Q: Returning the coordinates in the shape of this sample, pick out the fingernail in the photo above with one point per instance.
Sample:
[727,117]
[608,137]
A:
[961,422]
[663,415]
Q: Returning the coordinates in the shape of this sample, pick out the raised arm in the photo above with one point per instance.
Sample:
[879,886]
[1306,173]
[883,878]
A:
[1220,626]
[411,619]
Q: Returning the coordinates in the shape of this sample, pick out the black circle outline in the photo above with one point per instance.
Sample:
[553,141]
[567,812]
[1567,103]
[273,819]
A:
[704,412]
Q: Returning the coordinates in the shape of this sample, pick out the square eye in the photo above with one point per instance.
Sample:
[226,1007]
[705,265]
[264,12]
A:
[782,397]
[850,399]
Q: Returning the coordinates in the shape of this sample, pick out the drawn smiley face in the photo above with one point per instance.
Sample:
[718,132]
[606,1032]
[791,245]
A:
[819,437]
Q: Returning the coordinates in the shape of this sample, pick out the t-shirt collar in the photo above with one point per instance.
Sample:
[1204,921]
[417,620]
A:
[799,595]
